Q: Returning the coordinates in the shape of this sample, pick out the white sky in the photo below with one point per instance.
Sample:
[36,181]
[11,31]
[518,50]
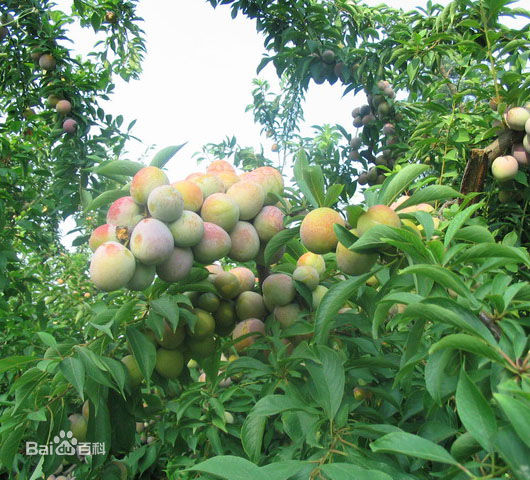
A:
[197,80]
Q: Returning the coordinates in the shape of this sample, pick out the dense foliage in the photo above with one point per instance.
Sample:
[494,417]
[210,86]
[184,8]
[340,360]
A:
[416,367]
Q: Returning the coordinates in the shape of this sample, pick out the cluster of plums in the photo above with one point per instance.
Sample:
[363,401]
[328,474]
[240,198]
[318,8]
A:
[505,167]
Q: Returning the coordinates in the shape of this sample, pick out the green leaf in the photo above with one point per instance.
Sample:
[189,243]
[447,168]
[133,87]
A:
[353,212]
[9,446]
[15,362]
[428,194]
[274,404]
[168,308]
[300,165]
[252,435]
[278,241]
[514,452]
[399,182]
[118,167]
[74,371]
[105,198]
[414,446]
[315,181]
[468,343]
[47,339]
[348,471]
[230,468]
[494,250]
[143,350]
[436,379]
[332,302]
[518,413]
[459,219]
[333,194]
[163,156]
[475,412]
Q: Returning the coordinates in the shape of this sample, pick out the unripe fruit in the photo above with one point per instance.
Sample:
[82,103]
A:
[78,426]
[201,347]
[112,266]
[389,129]
[354,263]
[191,194]
[221,210]
[246,327]
[268,222]
[363,179]
[328,56]
[209,302]
[377,215]
[204,325]
[287,315]
[225,316]
[245,242]
[526,142]
[53,100]
[504,168]
[145,181]
[307,275]
[165,203]
[229,418]
[316,230]
[357,122]
[356,142]
[47,62]
[143,277]
[103,233]
[313,260]
[361,394]
[171,340]
[250,305]
[248,196]
[521,155]
[169,363]
[382,84]
[245,276]
[365,110]
[516,118]
[111,17]
[318,295]
[63,107]
[208,183]
[215,244]
[176,266]
[389,92]
[279,289]
[369,119]
[134,376]
[85,410]
[151,241]
[69,125]
[227,285]
[188,230]
[274,147]
[124,212]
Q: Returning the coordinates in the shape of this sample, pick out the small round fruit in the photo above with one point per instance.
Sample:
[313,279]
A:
[316,230]
[145,181]
[78,426]
[151,241]
[377,215]
[249,197]
[191,194]
[202,347]
[227,284]
[307,275]
[279,289]
[268,222]
[209,302]
[516,118]
[165,203]
[47,62]
[313,260]
[63,107]
[176,266]
[215,244]
[188,230]
[134,376]
[225,316]
[245,242]
[504,168]
[171,339]
[354,263]
[204,325]
[143,277]
[124,212]
[220,209]
[245,276]
[287,315]
[112,266]
[318,295]
[169,363]
[69,125]
[245,328]
[250,305]
[103,233]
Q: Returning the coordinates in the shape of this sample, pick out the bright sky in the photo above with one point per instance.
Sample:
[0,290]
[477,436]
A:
[197,80]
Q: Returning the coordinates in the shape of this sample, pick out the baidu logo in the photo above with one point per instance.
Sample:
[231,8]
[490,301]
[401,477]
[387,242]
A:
[65,444]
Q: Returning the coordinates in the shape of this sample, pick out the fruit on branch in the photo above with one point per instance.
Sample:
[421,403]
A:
[63,107]
[377,215]
[354,263]
[316,230]
[47,62]
[208,183]
[245,276]
[204,325]
[78,426]
[112,266]
[271,181]
[143,277]
[287,315]
[169,363]
[278,289]
[111,17]
[227,285]
[134,375]
[504,168]
[268,222]
[248,196]
[191,194]
[245,242]
[209,302]
[225,317]
[318,295]
[328,56]
[312,260]
[165,203]
[250,305]
[151,241]
[220,209]
[103,233]
[218,166]
[201,347]
[356,142]
[253,327]
[69,125]
[307,275]
[145,181]
[53,100]
[516,118]
[188,230]
[176,266]
[214,244]
[124,212]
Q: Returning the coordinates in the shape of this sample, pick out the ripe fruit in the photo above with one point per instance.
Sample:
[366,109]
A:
[245,276]
[245,242]
[103,233]
[250,305]
[313,260]
[268,222]
[220,166]
[176,266]
[78,426]
[169,363]
[504,168]
[112,266]
[227,178]
[316,230]
[520,154]
[227,285]
[188,230]
[516,118]
[270,180]
[279,289]
[215,244]
[328,56]
[171,339]
[208,183]
[353,263]
[249,326]
[287,315]
[47,62]
[151,241]
[307,275]
[377,215]
[63,107]
[69,125]
[248,196]
[124,212]
[143,277]
[134,376]
[145,181]
[165,203]
[220,209]
[191,194]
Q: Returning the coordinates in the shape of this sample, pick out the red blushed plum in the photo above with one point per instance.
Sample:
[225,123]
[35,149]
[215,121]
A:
[245,276]
[377,215]
[246,327]
[165,203]
[145,181]
[268,222]
[220,209]
[69,125]
[250,305]
[103,233]
[191,194]
[188,230]
[227,285]
[521,155]
[245,242]
[270,180]
[208,183]
[316,230]
[220,166]
[307,275]
[63,107]
[124,212]
[112,266]
[313,260]
[151,241]
[279,289]
[504,168]
[215,244]
[143,277]
[228,179]
[177,266]
[249,197]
